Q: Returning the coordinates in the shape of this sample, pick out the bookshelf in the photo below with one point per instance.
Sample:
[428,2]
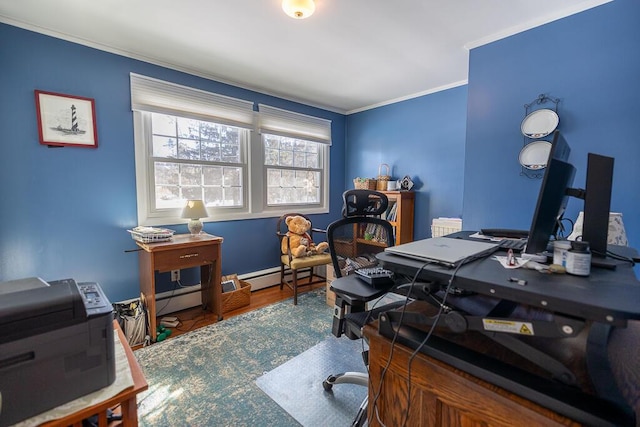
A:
[368,238]
[400,214]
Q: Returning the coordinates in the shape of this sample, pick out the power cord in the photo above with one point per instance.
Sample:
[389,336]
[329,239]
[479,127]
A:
[393,342]
[424,341]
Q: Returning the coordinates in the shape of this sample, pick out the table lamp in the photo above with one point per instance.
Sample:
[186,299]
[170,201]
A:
[616,233]
[194,210]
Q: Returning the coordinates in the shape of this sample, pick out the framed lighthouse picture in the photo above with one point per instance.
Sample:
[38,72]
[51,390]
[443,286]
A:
[66,120]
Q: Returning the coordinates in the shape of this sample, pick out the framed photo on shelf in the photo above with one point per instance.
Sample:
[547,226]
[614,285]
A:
[66,120]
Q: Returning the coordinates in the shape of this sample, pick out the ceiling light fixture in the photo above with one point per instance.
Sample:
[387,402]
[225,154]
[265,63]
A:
[298,9]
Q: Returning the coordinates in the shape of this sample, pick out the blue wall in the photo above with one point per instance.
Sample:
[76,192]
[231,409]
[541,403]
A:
[64,212]
[424,138]
[591,62]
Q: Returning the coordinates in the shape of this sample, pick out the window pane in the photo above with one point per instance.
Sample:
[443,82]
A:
[213,196]
[164,146]
[273,178]
[190,175]
[210,131]
[271,157]
[212,175]
[231,153]
[168,197]
[232,177]
[271,141]
[188,128]
[292,187]
[233,196]
[191,193]
[299,159]
[312,160]
[286,158]
[163,125]
[167,173]
[211,151]
[188,149]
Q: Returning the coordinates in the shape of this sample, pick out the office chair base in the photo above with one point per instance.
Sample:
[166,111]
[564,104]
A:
[357,378]
[361,418]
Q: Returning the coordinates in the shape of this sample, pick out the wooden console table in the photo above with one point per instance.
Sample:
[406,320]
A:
[126,398]
[183,251]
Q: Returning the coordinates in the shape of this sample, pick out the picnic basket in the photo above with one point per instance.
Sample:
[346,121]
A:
[383,177]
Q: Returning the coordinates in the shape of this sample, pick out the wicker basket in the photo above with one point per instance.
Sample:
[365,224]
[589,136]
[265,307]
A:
[364,183]
[235,299]
[383,177]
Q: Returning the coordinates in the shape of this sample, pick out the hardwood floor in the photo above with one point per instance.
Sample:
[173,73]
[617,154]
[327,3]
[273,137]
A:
[194,318]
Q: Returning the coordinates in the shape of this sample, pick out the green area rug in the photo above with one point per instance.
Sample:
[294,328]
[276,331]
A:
[208,377]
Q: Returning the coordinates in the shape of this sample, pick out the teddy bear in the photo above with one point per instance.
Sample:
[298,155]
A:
[299,240]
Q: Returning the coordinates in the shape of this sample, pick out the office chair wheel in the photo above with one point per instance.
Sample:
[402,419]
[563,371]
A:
[328,383]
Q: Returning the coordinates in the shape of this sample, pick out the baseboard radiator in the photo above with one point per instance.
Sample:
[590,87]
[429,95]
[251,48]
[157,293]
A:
[183,298]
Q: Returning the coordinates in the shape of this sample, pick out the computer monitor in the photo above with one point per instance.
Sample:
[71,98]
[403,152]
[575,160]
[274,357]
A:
[554,194]
[552,198]
[550,207]
[597,203]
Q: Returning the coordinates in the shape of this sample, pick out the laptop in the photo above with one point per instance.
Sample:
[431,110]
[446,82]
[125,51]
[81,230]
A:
[444,250]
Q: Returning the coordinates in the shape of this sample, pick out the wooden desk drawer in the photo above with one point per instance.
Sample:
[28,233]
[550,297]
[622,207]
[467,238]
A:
[176,259]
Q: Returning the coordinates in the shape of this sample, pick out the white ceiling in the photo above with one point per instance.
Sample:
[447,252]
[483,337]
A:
[349,56]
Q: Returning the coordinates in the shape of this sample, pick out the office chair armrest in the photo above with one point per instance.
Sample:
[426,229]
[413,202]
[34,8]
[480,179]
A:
[319,230]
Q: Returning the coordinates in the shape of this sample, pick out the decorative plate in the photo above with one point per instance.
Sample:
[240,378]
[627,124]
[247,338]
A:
[534,156]
[539,123]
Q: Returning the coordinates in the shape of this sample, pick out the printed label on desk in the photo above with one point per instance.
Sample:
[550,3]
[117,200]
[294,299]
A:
[510,326]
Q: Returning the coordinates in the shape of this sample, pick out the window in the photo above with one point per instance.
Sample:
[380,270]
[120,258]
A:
[194,159]
[294,173]
[192,144]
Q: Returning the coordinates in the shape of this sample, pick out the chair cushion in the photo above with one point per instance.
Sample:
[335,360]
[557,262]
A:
[308,261]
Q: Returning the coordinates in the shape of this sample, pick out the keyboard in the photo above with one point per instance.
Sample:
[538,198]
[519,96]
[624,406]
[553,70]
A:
[375,276]
[507,233]
[516,245]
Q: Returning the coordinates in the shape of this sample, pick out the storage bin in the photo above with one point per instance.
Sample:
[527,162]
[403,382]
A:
[364,183]
[233,300]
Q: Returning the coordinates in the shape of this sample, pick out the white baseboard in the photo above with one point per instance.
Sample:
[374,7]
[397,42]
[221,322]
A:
[184,298]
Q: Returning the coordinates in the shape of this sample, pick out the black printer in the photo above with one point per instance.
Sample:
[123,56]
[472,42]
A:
[56,344]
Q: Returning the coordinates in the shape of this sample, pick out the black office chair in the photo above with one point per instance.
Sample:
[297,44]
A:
[354,240]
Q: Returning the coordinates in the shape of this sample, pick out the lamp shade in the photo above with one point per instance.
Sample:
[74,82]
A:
[298,9]
[616,234]
[194,209]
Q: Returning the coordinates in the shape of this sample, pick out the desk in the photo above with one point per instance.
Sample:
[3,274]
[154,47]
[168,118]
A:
[608,296]
[183,251]
[442,395]
[126,399]
[604,302]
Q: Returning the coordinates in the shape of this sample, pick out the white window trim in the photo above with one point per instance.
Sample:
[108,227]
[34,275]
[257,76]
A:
[183,101]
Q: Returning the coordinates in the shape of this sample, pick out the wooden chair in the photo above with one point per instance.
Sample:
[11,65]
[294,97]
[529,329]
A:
[292,268]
